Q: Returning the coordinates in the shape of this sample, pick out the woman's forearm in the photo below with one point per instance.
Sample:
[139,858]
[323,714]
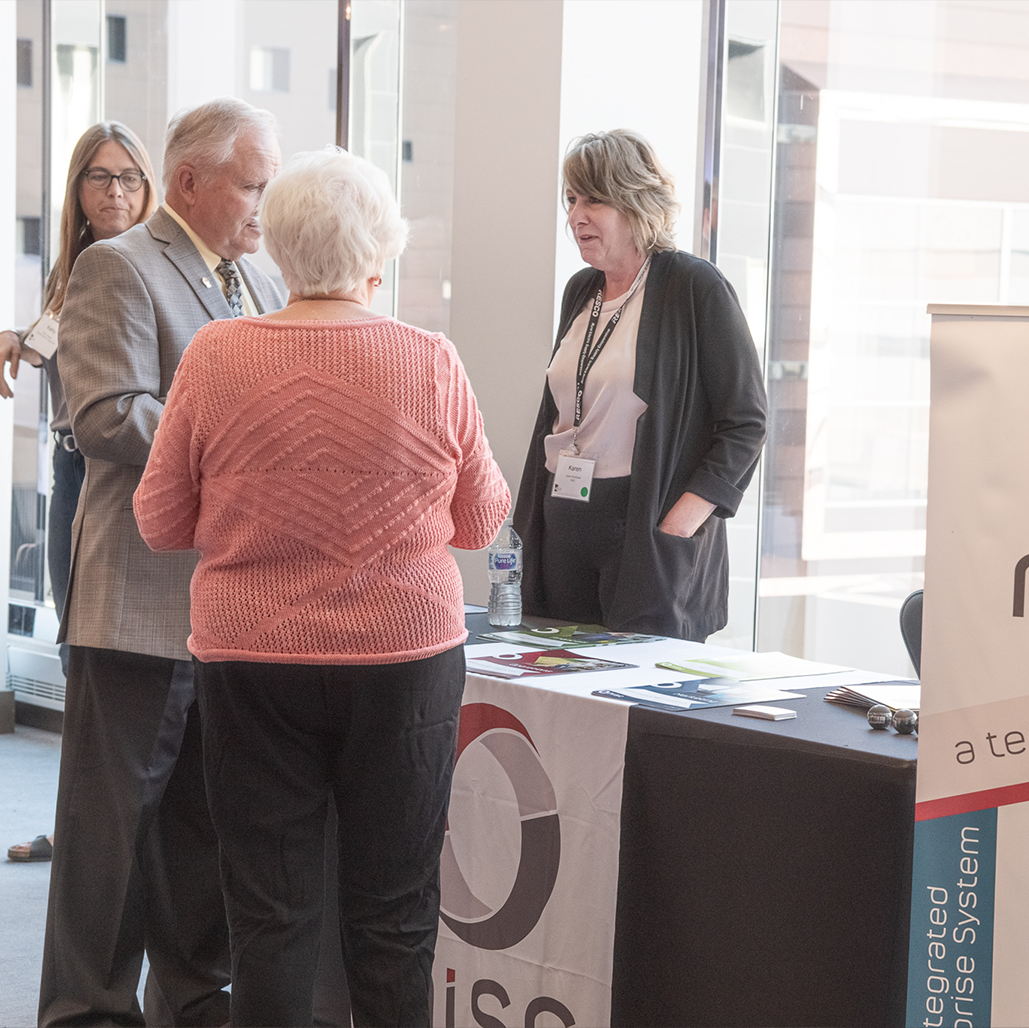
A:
[688,514]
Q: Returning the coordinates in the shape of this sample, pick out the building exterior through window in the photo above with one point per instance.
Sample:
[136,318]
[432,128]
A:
[862,160]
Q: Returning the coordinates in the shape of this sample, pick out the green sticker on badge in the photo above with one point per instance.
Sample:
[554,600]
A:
[584,491]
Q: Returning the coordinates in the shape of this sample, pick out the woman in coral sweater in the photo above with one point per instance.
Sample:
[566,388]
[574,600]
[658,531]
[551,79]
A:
[320,460]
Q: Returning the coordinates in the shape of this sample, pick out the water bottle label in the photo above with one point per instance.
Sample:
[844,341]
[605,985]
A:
[506,561]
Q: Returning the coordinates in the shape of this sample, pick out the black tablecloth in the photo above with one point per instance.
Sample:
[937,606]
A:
[765,870]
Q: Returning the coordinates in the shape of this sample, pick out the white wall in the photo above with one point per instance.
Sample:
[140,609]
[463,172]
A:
[531,75]
[633,66]
[506,151]
[200,65]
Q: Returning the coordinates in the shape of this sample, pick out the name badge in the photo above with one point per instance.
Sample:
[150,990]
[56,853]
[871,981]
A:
[573,478]
[43,337]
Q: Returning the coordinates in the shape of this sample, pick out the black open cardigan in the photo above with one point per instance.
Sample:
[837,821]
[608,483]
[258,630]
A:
[698,372]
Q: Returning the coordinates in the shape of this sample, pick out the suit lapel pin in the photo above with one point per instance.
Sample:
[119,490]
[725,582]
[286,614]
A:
[206,281]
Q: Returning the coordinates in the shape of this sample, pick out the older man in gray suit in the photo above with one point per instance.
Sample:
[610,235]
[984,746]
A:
[135,856]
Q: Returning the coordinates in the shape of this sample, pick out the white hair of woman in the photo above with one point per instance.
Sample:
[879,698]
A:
[331,222]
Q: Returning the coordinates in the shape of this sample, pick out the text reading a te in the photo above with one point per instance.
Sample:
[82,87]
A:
[1013,745]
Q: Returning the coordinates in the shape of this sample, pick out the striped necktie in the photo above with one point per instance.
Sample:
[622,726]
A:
[233,287]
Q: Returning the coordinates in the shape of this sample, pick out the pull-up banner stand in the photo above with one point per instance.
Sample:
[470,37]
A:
[970,882]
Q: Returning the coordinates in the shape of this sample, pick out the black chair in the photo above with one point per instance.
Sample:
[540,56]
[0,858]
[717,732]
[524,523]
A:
[911,628]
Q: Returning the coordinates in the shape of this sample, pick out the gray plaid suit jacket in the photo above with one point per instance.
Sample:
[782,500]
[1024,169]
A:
[132,306]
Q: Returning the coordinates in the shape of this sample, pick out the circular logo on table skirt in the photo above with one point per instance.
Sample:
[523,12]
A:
[470,919]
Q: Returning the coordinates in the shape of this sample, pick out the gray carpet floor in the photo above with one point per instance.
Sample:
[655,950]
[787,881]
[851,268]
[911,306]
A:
[29,761]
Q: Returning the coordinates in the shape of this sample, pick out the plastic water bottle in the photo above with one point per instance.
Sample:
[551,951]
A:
[505,575]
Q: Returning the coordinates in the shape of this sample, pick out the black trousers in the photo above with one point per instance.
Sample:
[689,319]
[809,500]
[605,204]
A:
[582,551]
[135,854]
[279,741]
[69,474]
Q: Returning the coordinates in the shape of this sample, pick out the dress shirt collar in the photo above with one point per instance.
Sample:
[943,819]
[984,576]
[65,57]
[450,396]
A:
[211,259]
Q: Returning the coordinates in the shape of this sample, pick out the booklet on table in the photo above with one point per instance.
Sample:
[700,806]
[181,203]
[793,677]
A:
[898,695]
[703,692]
[568,636]
[539,662]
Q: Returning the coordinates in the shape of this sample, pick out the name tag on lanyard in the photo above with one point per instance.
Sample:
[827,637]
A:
[43,337]
[573,479]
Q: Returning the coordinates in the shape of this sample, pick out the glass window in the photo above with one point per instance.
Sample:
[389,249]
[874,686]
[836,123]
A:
[374,122]
[116,38]
[901,146]
[75,104]
[740,240]
[427,169]
[269,69]
[24,62]
[182,53]
[189,52]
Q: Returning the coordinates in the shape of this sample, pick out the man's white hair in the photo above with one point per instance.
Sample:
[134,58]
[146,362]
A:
[205,136]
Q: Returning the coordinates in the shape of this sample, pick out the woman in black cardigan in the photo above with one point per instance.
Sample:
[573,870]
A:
[652,418]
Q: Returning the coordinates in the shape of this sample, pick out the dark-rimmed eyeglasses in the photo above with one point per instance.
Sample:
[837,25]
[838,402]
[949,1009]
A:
[99,178]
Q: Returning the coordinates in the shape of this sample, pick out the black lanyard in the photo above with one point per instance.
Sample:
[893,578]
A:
[589,353]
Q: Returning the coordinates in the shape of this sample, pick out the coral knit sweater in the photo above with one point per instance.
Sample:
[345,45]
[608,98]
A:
[320,469]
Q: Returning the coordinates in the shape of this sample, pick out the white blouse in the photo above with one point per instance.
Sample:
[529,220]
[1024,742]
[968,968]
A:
[610,408]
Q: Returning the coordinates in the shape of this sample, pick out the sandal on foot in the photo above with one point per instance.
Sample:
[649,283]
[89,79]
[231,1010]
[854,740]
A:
[39,849]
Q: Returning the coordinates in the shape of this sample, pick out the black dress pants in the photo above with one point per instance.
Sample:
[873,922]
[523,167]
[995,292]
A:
[279,742]
[69,474]
[135,854]
[582,551]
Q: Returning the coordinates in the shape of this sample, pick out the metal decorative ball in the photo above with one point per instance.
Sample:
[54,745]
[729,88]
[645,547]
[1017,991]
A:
[880,716]
[905,721]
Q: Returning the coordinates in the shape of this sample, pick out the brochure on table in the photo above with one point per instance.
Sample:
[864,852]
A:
[565,636]
[698,693]
[534,663]
[898,695]
[645,657]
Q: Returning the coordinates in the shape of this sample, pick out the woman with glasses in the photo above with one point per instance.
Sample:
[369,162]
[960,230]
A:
[108,191]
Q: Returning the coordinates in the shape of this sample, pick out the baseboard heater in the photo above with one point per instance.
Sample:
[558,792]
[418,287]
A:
[36,678]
